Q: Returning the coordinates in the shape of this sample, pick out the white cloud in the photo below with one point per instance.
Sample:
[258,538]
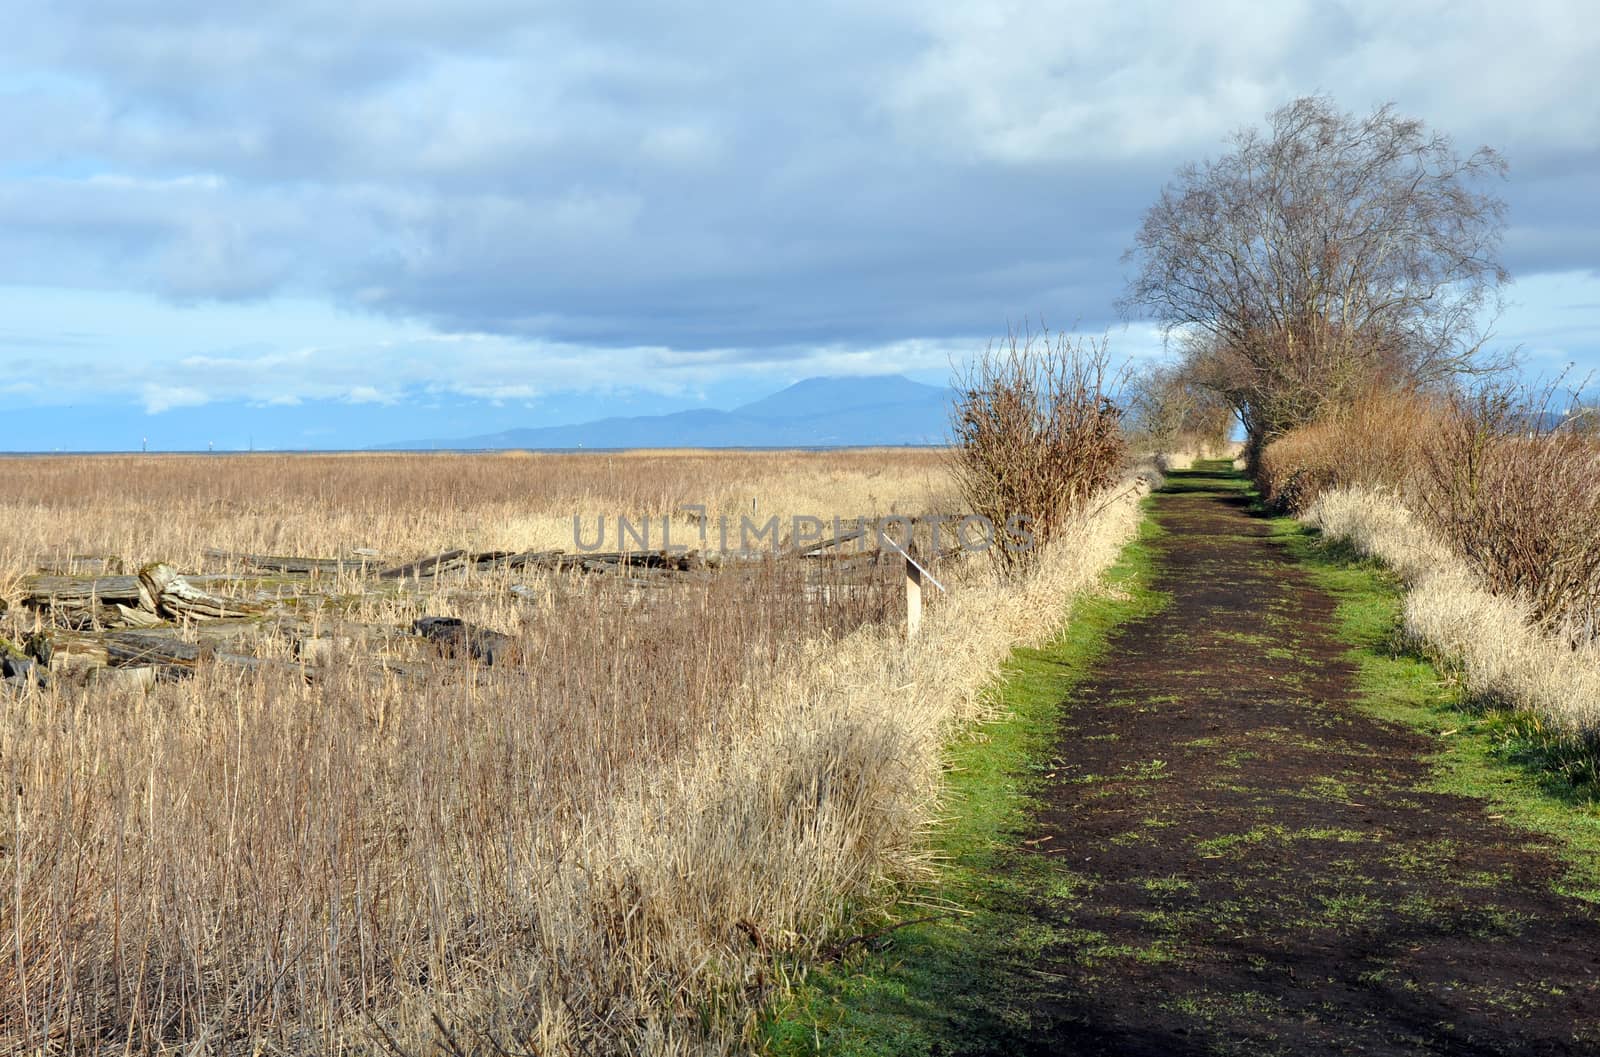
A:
[498,393]
[159,398]
[366,394]
[594,189]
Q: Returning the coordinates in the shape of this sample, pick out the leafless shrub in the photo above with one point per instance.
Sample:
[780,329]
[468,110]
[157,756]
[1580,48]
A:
[1036,433]
[1512,481]
[1378,442]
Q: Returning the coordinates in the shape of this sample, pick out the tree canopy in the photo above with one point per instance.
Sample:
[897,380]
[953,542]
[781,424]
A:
[1322,256]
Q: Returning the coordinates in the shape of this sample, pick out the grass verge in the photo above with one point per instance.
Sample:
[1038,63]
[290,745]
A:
[930,976]
[1530,776]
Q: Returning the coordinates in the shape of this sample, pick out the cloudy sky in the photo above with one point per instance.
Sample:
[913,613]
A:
[268,223]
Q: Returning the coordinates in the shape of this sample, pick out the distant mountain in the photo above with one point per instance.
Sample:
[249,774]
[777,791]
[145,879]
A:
[826,412]
[824,396]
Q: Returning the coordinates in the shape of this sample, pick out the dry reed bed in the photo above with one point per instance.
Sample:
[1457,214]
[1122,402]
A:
[1500,475]
[173,508]
[692,883]
[1490,638]
[249,857]
[620,845]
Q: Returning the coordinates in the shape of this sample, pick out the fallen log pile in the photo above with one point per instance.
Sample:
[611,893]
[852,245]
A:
[93,622]
[110,629]
[552,561]
[157,593]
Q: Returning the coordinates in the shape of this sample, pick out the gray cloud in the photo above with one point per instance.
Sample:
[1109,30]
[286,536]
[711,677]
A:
[720,177]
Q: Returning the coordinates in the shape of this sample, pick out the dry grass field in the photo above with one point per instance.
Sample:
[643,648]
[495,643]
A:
[175,507]
[624,836]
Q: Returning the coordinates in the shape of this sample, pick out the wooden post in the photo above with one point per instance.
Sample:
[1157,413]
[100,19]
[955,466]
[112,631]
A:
[913,597]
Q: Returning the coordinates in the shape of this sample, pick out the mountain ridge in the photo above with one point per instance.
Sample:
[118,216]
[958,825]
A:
[823,411]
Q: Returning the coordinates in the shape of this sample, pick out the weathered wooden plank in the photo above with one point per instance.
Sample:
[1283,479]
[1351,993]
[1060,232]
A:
[424,567]
[481,560]
[67,652]
[129,648]
[556,560]
[291,565]
[76,590]
[82,565]
[84,602]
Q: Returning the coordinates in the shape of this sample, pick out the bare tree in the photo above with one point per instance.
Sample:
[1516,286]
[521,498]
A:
[1158,405]
[1168,410]
[1321,258]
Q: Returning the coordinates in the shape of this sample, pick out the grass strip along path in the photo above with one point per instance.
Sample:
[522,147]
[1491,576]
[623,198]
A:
[1226,815]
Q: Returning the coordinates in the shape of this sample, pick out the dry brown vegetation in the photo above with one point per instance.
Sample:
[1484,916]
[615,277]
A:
[624,841]
[1377,441]
[1488,503]
[1036,434]
[175,507]
[1500,474]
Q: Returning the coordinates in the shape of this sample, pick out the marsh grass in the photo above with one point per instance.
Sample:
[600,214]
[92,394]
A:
[176,507]
[629,841]
[1491,639]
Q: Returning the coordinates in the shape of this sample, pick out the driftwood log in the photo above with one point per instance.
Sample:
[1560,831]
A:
[67,652]
[555,561]
[82,565]
[427,566]
[128,649]
[289,565]
[160,653]
[157,593]
[177,598]
[85,601]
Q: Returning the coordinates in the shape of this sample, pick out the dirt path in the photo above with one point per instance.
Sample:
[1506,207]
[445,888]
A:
[1248,863]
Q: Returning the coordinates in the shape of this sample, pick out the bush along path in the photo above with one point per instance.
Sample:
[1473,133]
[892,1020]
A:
[1228,814]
